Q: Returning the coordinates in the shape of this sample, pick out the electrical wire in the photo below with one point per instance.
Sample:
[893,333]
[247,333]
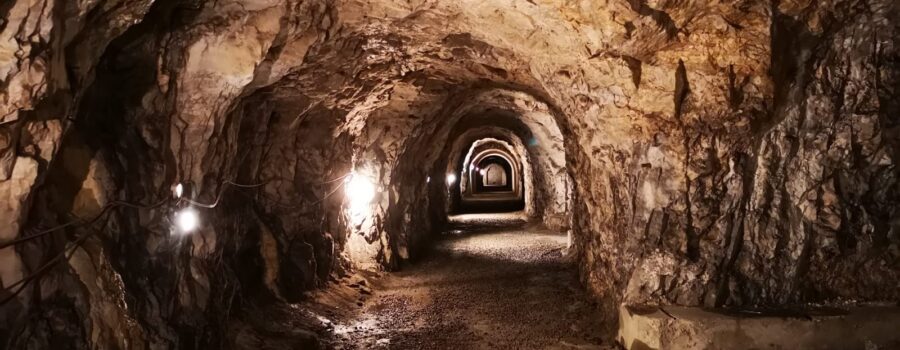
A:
[67,253]
[245,186]
[320,200]
[112,204]
[328,195]
[37,235]
[77,222]
[219,195]
[336,179]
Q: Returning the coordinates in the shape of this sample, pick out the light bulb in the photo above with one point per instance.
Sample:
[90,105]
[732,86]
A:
[428,180]
[360,191]
[179,190]
[451,179]
[187,220]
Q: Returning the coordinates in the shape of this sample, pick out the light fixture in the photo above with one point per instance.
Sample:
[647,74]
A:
[472,167]
[187,220]
[451,179]
[483,171]
[428,180]
[360,191]
[179,190]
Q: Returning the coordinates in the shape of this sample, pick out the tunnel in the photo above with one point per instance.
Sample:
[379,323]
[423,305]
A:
[492,174]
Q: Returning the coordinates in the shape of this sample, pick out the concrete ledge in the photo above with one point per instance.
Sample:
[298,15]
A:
[675,327]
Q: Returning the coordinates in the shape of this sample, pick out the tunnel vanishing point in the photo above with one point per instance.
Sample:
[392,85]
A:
[435,174]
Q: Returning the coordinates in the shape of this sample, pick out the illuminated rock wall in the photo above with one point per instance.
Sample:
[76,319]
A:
[728,153]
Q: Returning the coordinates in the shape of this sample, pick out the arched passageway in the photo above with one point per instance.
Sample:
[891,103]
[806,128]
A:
[506,196]
[203,174]
[496,175]
[528,140]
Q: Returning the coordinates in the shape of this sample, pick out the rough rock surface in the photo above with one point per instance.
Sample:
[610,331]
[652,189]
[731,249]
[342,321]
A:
[500,289]
[724,153]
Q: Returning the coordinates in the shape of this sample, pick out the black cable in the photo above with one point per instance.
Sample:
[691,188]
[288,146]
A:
[267,198]
[219,195]
[124,204]
[293,206]
[335,179]
[245,186]
[75,222]
[37,235]
[67,254]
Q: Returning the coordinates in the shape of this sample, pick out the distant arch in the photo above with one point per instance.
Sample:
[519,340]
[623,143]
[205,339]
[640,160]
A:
[494,175]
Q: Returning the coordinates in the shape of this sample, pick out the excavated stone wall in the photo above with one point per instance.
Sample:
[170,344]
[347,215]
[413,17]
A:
[729,153]
[771,177]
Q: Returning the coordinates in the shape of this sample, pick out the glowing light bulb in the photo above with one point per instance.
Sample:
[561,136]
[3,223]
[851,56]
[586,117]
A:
[428,180]
[360,191]
[483,171]
[451,178]
[187,220]
[179,190]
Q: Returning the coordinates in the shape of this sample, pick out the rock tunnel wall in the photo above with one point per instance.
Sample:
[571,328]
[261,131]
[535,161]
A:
[767,178]
[727,154]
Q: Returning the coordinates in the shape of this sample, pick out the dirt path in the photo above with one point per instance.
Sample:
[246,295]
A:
[506,289]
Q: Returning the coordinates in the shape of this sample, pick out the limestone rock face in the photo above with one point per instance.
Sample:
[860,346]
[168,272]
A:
[727,153]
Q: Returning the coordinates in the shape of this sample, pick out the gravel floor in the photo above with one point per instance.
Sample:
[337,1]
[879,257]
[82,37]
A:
[502,289]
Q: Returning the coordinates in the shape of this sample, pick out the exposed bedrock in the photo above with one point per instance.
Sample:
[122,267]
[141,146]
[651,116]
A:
[728,153]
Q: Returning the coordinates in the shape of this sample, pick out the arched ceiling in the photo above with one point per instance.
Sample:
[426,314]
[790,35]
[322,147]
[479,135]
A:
[484,148]
[718,153]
